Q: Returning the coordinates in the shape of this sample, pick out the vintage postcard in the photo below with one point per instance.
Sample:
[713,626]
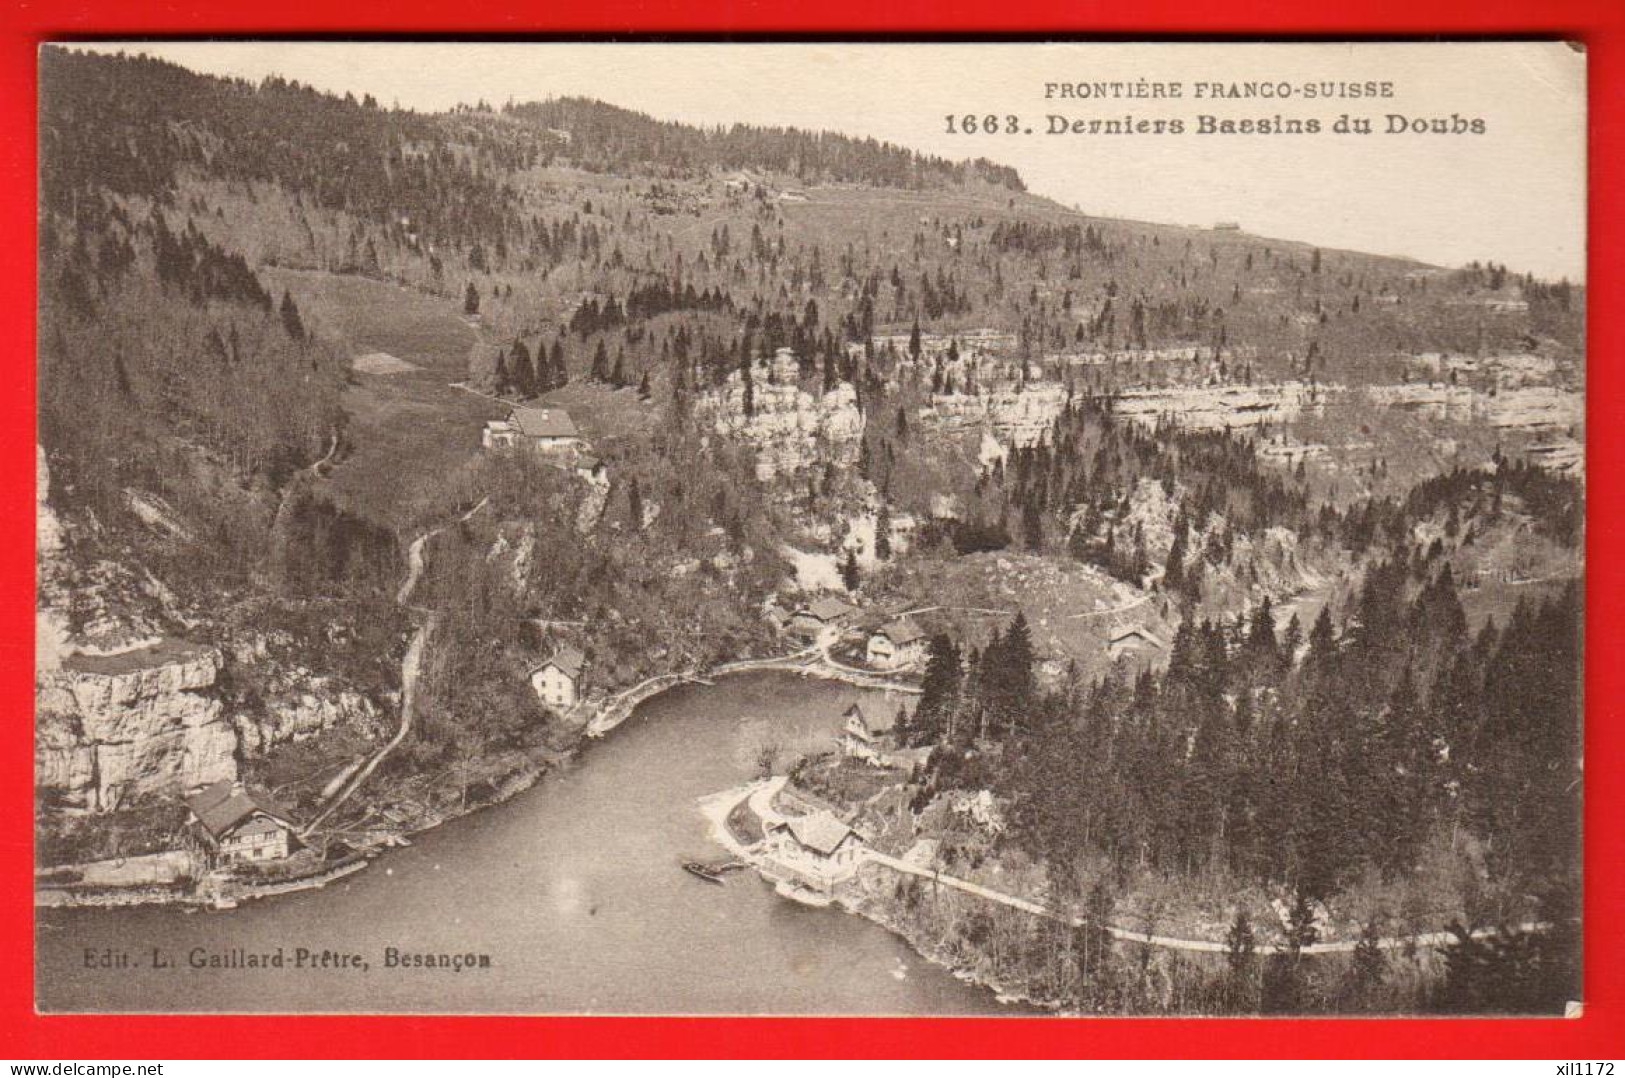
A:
[810,528]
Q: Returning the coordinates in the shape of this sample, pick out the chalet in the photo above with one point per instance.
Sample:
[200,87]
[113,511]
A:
[558,680]
[239,825]
[827,615]
[1131,640]
[549,431]
[867,738]
[896,644]
[817,850]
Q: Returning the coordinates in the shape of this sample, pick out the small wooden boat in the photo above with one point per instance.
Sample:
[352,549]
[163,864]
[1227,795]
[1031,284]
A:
[704,872]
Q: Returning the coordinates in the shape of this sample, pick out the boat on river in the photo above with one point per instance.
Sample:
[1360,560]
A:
[704,872]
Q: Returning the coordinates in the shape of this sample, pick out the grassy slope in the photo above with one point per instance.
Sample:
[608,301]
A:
[401,426]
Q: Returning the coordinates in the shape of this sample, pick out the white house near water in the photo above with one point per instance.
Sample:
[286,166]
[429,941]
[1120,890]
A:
[896,644]
[818,850]
[867,738]
[557,681]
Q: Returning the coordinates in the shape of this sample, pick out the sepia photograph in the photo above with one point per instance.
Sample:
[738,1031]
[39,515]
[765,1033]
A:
[1001,528]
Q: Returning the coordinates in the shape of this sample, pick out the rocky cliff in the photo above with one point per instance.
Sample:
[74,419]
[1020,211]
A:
[130,703]
[113,728]
[790,428]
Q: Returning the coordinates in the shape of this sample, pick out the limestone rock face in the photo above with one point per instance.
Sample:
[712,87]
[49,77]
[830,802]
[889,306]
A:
[130,698]
[305,713]
[47,528]
[50,620]
[114,727]
[790,428]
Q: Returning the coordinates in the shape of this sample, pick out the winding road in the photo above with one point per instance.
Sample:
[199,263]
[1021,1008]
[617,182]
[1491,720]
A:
[759,795]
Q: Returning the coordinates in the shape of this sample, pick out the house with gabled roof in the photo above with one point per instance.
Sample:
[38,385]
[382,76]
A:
[1131,640]
[549,431]
[822,617]
[867,737]
[558,681]
[240,825]
[896,644]
[817,850]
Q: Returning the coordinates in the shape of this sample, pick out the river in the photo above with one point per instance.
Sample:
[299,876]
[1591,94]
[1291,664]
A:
[573,888]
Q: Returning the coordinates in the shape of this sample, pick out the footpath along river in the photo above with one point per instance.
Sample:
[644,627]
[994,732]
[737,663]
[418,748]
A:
[573,888]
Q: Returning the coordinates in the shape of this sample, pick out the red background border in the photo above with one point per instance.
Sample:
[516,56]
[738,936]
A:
[1599,1034]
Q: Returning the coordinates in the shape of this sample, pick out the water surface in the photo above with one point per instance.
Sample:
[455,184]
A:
[573,888]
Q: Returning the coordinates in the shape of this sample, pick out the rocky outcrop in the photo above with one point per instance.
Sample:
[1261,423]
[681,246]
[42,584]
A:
[790,428]
[142,722]
[50,620]
[128,705]
[1015,417]
[317,705]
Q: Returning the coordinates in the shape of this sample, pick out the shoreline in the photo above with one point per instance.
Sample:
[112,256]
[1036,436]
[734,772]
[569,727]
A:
[860,898]
[156,894]
[717,807]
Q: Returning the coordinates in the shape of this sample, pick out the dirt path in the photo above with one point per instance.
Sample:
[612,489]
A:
[961,609]
[414,554]
[411,667]
[1387,943]
[301,478]
[1123,609]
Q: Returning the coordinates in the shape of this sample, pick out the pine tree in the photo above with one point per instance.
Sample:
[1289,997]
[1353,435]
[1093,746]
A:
[634,503]
[471,300]
[900,725]
[849,570]
[1369,967]
[1007,675]
[1173,575]
[503,378]
[521,371]
[558,374]
[1263,652]
[291,321]
[1241,960]
[883,532]
[1032,524]
[939,690]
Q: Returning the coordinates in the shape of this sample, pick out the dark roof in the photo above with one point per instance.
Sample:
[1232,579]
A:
[829,608]
[226,804]
[902,631]
[874,726]
[569,660]
[544,423]
[820,832]
[1128,631]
